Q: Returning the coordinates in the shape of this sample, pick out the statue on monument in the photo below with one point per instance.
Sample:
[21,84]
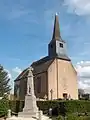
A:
[30,81]
[30,107]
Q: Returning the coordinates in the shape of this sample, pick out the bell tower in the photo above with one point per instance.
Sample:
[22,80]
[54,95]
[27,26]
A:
[57,46]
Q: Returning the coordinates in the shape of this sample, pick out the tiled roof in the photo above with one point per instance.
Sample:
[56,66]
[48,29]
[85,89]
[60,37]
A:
[45,62]
[24,73]
[42,65]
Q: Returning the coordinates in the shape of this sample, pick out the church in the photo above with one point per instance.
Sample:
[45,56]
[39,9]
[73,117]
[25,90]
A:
[54,75]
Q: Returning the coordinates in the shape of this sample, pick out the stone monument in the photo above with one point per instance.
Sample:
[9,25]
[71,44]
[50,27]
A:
[30,109]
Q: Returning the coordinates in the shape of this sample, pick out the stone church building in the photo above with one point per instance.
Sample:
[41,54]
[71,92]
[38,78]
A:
[54,75]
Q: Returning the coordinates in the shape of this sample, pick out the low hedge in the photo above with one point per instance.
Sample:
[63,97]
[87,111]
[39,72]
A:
[65,107]
[59,107]
[16,106]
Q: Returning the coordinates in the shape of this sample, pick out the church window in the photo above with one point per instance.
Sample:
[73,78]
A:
[61,45]
[38,84]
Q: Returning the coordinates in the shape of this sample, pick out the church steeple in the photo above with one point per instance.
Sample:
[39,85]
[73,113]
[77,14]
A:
[57,46]
[56,30]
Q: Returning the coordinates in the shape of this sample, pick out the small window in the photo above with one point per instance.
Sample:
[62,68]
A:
[61,45]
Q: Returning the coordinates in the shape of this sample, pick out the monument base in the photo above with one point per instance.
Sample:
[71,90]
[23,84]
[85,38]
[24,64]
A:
[27,115]
[30,111]
[30,108]
[43,117]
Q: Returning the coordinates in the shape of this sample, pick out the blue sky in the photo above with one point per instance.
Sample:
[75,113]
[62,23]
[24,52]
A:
[26,29]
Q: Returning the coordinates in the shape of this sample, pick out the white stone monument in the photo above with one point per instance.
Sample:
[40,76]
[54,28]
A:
[30,108]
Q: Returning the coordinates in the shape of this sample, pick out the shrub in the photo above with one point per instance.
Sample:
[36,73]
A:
[72,117]
[59,107]
[4,106]
[16,106]
[59,117]
[65,107]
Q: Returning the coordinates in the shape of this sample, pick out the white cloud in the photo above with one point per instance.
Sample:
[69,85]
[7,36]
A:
[83,70]
[17,70]
[80,7]
[9,74]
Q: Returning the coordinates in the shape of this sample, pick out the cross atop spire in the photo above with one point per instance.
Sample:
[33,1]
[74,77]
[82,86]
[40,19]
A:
[56,13]
[56,31]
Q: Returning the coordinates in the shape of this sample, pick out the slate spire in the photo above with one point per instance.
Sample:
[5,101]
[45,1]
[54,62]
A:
[57,46]
[56,30]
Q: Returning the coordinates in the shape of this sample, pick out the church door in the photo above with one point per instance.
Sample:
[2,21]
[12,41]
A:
[65,95]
